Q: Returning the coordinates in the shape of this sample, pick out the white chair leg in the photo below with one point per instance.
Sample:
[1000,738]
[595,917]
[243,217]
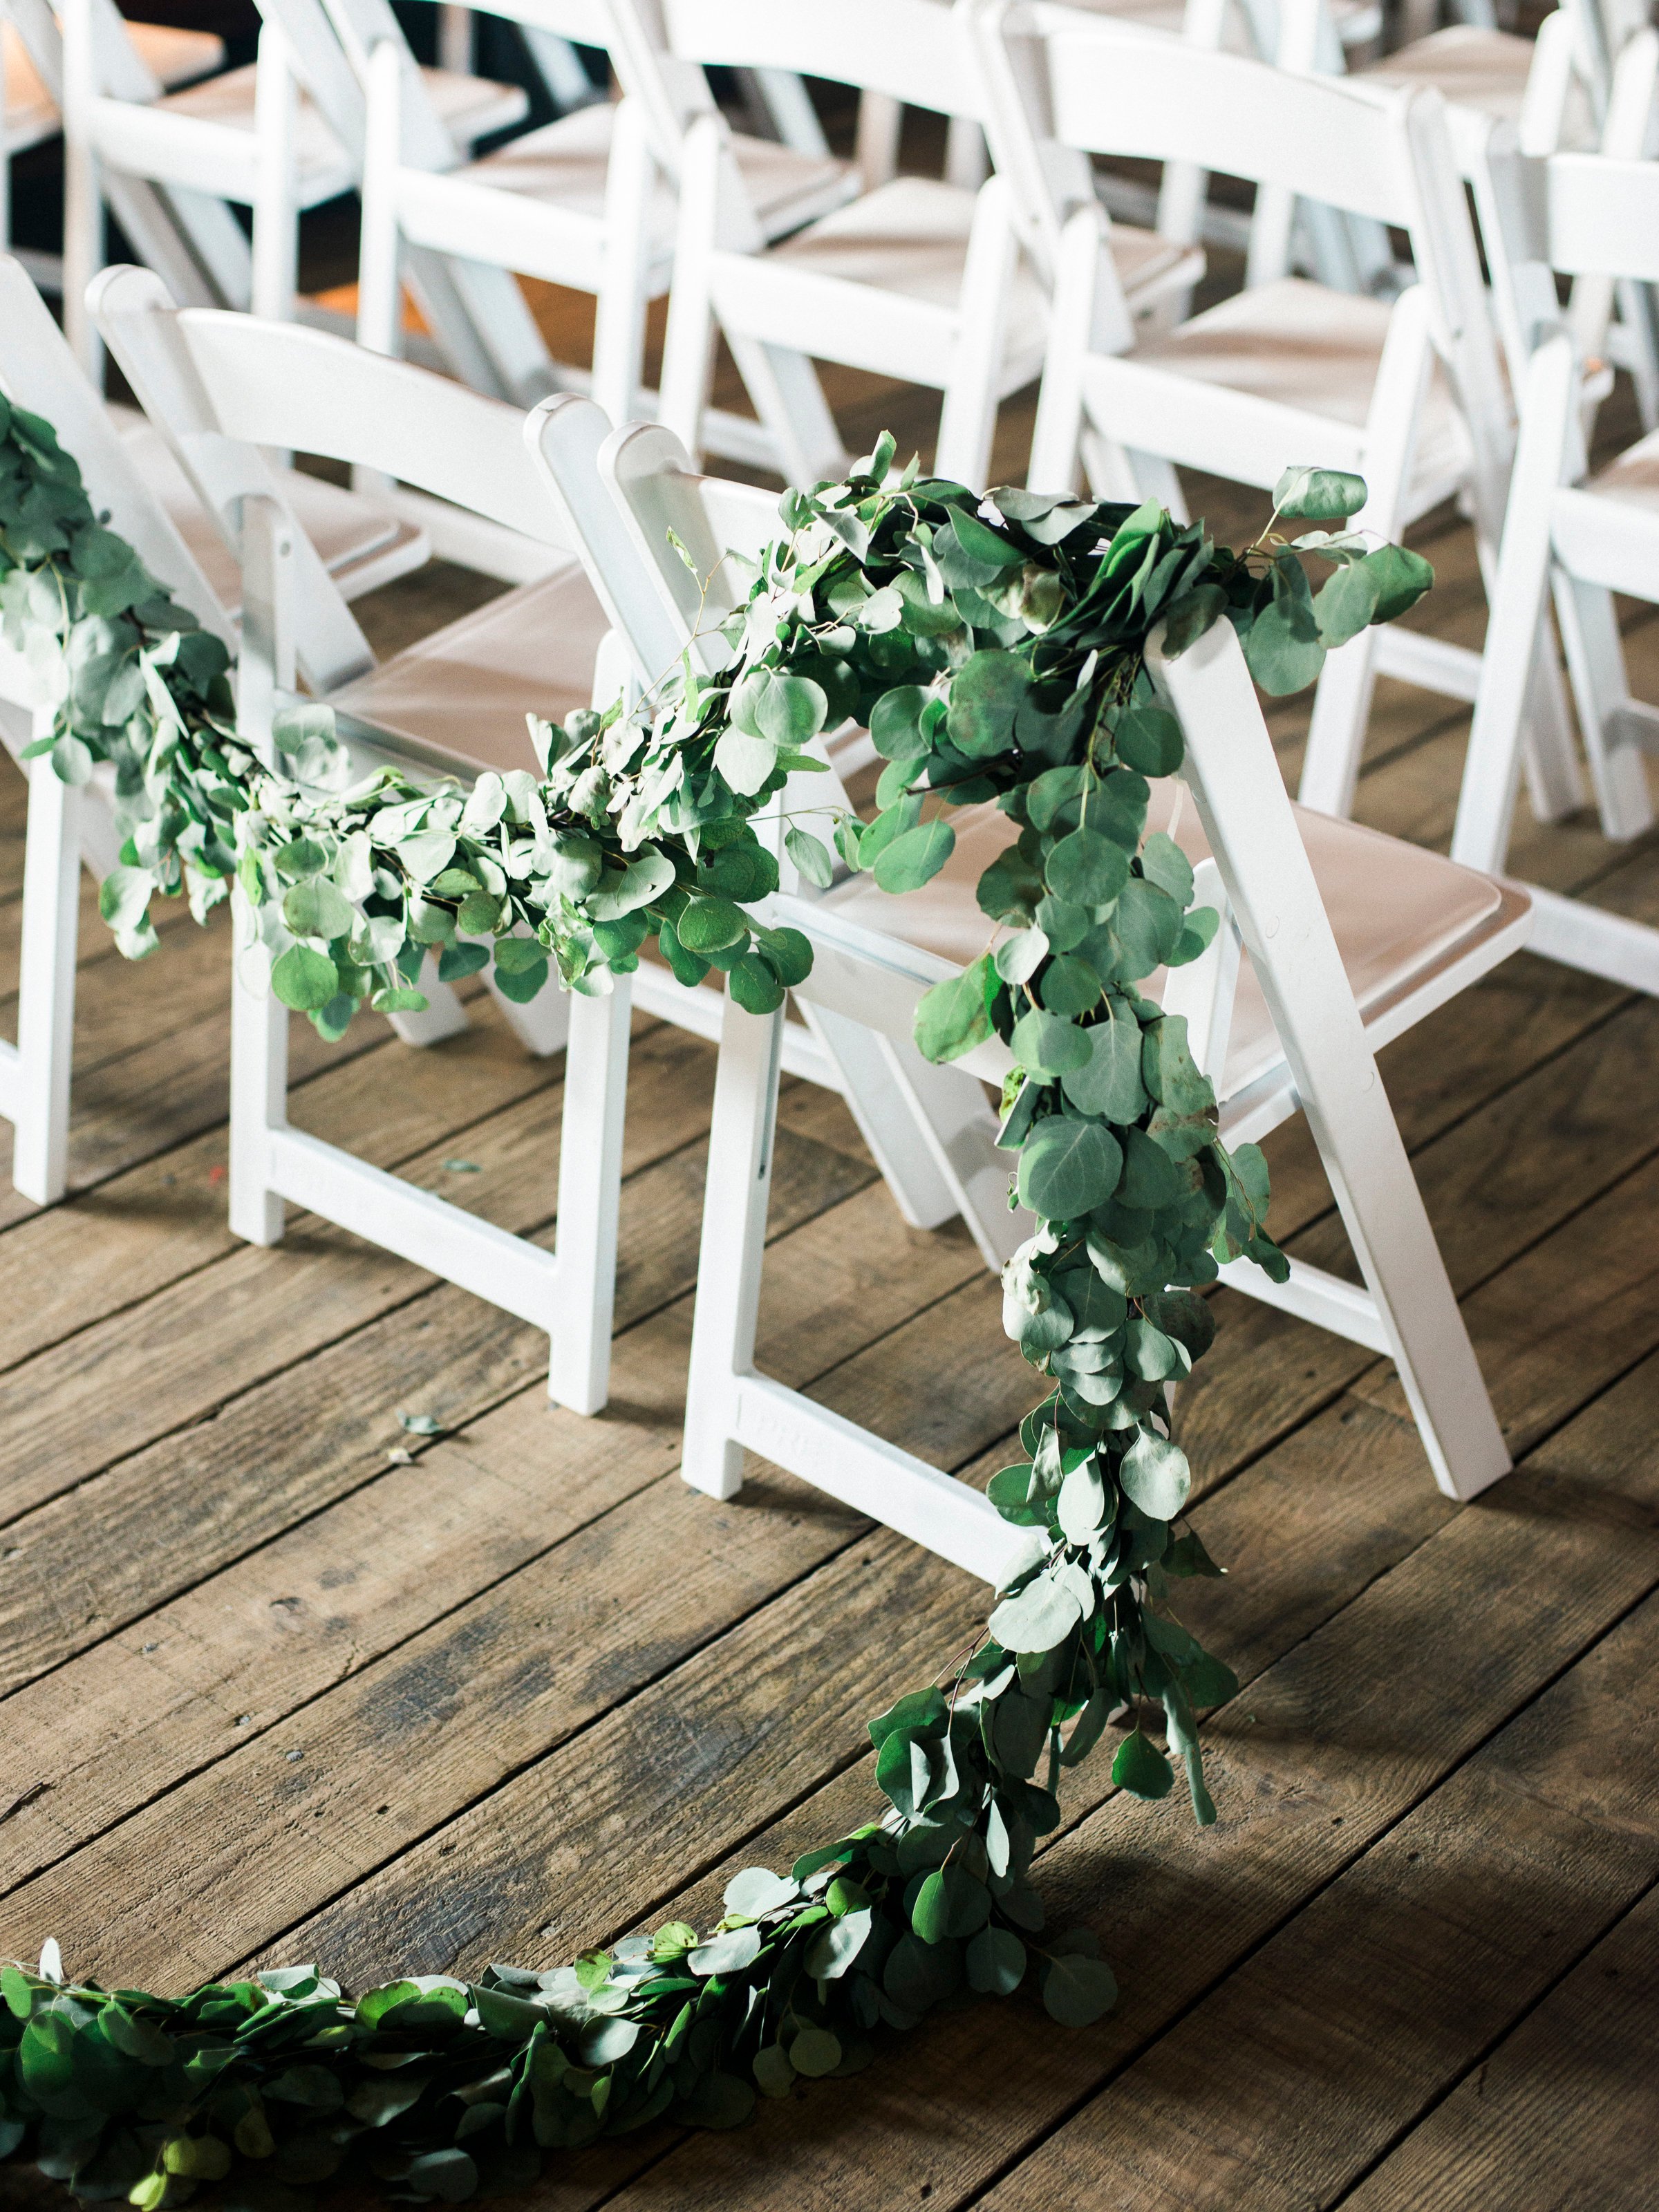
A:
[967,158]
[83,204]
[619,310]
[1057,434]
[443,1016]
[590,1189]
[380,296]
[275,208]
[889,1125]
[968,417]
[46,1002]
[542,1024]
[688,341]
[259,1100]
[1492,769]
[876,152]
[1595,661]
[739,1182]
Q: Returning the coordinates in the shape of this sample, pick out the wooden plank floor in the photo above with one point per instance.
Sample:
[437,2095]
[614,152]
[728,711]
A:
[280,1680]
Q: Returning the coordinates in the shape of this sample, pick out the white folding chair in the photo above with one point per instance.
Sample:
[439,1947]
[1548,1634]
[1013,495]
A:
[1409,933]
[1411,397]
[277,137]
[918,278]
[128,469]
[586,201]
[30,91]
[932,1135]
[1336,940]
[222,386]
[1576,536]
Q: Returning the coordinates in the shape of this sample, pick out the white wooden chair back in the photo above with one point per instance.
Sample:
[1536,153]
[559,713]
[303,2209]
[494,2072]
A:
[910,51]
[145,330]
[930,1133]
[1261,870]
[39,372]
[1592,218]
[1385,157]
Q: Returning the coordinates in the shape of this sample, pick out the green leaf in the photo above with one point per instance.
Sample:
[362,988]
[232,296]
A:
[985,693]
[1049,1042]
[1164,863]
[915,857]
[952,1902]
[1141,1768]
[815,2051]
[710,925]
[317,910]
[952,1019]
[772,2070]
[1187,619]
[1402,577]
[1155,1476]
[981,543]
[1149,740]
[1282,649]
[1319,495]
[304,979]
[644,879]
[521,968]
[726,1955]
[1109,1081]
[754,984]
[757,1891]
[1077,1991]
[995,1960]
[784,709]
[1347,601]
[895,722]
[1040,1618]
[1087,870]
[1067,1167]
[812,857]
[745,762]
[1081,1506]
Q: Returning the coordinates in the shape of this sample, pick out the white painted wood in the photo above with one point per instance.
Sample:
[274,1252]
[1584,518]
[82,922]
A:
[1570,535]
[930,1133]
[919,279]
[45,997]
[230,381]
[1249,388]
[1275,902]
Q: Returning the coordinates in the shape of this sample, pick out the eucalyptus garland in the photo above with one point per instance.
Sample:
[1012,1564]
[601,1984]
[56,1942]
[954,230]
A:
[995,650]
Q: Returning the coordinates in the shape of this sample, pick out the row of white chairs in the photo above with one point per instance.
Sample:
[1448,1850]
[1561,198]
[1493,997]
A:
[791,255]
[1344,937]
[1341,957]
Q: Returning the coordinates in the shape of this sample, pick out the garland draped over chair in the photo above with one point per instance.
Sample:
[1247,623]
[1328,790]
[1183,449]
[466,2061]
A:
[996,649]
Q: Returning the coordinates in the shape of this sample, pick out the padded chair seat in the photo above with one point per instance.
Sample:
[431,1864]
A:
[460,696]
[565,164]
[362,545]
[171,57]
[1482,77]
[1608,529]
[471,106]
[910,236]
[1298,345]
[1357,22]
[1399,913]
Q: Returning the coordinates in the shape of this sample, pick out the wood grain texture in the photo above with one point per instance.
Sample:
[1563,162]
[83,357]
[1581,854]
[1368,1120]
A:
[539,1694]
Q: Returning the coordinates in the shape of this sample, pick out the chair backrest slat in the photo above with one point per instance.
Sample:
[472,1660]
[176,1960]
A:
[1327,139]
[38,372]
[277,384]
[911,50]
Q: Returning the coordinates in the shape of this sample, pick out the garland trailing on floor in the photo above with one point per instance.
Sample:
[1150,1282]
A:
[995,650]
